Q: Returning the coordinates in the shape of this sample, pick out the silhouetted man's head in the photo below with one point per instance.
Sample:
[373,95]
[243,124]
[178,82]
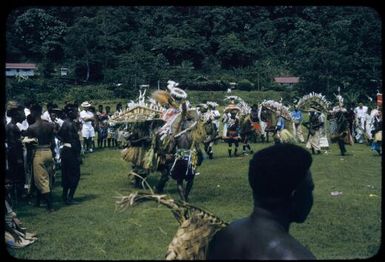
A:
[15,111]
[36,110]
[71,111]
[280,178]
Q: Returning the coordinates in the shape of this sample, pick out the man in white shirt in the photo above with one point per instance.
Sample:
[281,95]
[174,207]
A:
[88,131]
[215,115]
[370,123]
[324,143]
[360,112]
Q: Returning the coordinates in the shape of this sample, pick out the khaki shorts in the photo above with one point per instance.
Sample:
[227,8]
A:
[43,170]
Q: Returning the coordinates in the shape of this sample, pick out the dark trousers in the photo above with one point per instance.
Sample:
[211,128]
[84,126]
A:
[15,177]
[341,145]
[70,172]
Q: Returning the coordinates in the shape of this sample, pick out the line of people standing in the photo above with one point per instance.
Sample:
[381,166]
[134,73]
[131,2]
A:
[95,126]
[357,125]
[40,143]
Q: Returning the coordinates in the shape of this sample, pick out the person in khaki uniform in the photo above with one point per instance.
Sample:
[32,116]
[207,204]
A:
[43,159]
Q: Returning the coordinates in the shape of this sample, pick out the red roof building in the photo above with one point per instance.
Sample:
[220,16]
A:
[20,69]
[20,66]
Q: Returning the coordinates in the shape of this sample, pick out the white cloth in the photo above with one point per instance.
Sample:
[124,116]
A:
[323,140]
[88,132]
[57,150]
[23,125]
[297,132]
[84,116]
[359,135]
[314,141]
[215,115]
[87,128]
[373,113]
[45,116]
[27,111]
[361,115]
[322,118]
[225,120]
[168,116]
[7,120]
[263,127]
[361,112]
[369,126]
[59,121]
[338,108]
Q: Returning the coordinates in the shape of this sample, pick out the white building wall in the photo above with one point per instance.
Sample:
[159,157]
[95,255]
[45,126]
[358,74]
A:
[21,72]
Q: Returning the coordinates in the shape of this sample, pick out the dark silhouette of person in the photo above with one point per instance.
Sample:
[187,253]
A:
[282,187]
[68,135]
[15,175]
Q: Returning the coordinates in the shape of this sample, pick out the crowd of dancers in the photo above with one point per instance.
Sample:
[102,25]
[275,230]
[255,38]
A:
[163,132]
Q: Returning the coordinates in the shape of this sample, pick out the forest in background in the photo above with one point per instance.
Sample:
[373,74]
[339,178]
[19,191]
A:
[119,48]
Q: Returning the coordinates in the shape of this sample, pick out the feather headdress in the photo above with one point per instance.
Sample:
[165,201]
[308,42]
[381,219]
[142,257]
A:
[244,108]
[178,93]
[314,100]
[212,104]
[231,108]
[277,107]
[139,111]
[175,91]
[232,99]
[135,114]
[162,97]
[171,85]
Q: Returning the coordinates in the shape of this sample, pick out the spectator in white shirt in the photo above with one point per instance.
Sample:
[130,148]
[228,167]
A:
[88,132]
[360,112]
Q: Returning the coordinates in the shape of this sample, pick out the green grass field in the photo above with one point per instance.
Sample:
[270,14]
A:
[347,226]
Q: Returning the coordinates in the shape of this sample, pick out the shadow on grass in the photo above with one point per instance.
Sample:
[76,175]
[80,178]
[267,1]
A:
[85,198]
[58,201]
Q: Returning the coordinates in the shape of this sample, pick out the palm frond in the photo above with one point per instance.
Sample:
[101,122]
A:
[197,226]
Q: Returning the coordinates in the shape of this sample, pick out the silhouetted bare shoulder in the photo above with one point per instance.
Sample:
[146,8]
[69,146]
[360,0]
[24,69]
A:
[255,239]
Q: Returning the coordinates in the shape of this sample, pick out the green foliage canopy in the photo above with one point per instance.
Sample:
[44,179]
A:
[326,46]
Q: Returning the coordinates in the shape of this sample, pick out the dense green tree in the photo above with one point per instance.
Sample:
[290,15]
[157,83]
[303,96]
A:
[326,46]
[39,35]
[82,43]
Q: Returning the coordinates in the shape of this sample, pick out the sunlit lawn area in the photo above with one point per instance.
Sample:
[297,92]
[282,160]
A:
[346,226]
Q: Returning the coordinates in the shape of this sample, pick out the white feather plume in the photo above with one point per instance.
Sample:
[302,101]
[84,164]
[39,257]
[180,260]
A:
[316,100]
[171,84]
[277,107]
